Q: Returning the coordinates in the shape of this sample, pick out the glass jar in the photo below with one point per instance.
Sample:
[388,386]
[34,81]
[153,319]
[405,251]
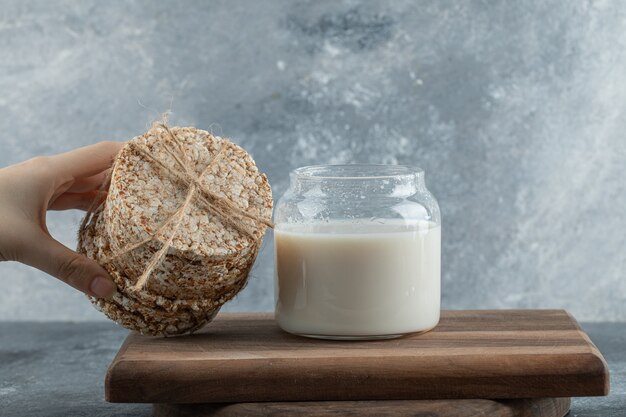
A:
[358,253]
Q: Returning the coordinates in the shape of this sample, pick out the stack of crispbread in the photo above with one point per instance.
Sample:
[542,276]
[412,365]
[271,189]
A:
[210,251]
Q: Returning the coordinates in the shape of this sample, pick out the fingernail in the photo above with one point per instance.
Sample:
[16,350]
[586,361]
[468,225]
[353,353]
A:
[102,287]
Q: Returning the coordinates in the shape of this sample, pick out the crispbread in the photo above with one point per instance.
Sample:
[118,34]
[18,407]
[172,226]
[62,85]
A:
[209,256]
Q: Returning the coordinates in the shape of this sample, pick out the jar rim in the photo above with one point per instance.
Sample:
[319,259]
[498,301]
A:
[356,171]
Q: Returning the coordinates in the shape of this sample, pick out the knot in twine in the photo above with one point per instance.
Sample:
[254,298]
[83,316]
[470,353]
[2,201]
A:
[225,209]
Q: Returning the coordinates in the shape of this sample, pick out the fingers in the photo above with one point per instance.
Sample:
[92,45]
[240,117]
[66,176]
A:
[80,201]
[73,268]
[88,160]
[82,185]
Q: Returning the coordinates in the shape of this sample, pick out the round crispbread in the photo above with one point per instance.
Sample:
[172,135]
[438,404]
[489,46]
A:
[210,252]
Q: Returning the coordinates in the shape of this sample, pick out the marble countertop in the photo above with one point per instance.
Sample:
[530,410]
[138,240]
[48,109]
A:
[57,369]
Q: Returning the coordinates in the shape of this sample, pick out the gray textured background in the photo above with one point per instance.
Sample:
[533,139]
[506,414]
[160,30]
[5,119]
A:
[514,109]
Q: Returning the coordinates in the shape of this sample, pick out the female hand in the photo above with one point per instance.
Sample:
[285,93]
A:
[66,181]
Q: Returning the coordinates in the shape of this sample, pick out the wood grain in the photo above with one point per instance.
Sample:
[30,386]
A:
[539,407]
[471,354]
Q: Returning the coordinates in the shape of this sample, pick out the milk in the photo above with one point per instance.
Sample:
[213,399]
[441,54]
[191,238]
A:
[352,280]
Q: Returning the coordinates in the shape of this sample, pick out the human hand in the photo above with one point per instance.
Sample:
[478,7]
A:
[69,180]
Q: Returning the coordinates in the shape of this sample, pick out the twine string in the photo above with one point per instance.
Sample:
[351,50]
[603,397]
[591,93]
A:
[213,203]
[157,258]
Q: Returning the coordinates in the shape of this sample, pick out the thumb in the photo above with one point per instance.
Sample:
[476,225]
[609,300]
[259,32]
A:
[71,267]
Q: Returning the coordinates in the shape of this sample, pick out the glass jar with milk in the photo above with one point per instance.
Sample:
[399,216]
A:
[358,253]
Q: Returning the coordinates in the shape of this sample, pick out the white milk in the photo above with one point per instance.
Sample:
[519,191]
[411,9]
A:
[367,279]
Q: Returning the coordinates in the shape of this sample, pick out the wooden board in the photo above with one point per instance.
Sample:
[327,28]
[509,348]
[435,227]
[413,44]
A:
[536,407]
[471,354]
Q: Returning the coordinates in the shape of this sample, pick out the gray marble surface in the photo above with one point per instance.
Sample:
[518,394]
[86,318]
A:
[515,109]
[57,369]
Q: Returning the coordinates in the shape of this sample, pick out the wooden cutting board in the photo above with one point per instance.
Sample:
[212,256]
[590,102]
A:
[532,407]
[471,354]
